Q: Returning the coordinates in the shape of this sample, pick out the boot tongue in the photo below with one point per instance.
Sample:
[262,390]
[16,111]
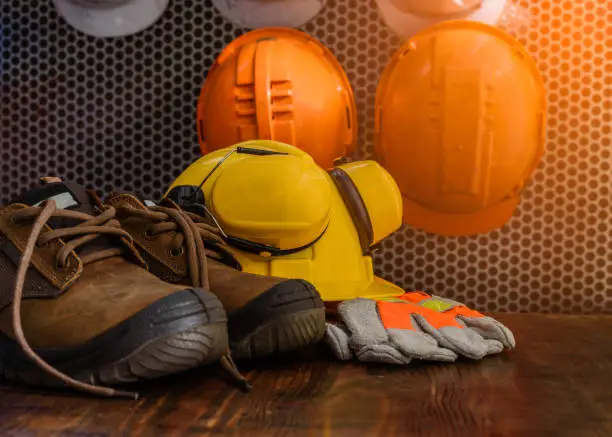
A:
[123,199]
[137,202]
[70,196]
[67,195]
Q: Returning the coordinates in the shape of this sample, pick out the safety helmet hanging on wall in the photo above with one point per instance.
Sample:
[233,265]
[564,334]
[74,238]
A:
[460,114]
[285,216]
[282,85]
[408,17]
[108,18]
[253,14]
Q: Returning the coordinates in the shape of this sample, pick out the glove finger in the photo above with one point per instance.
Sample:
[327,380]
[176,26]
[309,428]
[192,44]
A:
[420,345]
[382,353]
[494,347]
[490,329]
[363,322]
[337,338]
[463,341]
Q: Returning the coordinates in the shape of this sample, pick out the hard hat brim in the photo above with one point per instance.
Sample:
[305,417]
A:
[372,288]
[125,19]
[254,14]
[458,225]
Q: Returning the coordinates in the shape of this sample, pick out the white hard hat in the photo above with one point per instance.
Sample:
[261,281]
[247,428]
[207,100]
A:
[105,18]
[253,14]
[408,17]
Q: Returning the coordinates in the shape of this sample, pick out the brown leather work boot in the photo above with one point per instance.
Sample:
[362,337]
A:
[266,315]
[76,304]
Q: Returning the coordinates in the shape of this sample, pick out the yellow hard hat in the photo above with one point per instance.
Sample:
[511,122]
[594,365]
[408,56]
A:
[285,216]
[408,17]
[460,115]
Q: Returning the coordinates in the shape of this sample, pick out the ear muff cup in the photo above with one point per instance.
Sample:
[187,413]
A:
[187,196]
[268,198]
[355,206]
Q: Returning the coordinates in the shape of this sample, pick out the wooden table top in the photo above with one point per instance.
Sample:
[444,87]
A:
[557,383]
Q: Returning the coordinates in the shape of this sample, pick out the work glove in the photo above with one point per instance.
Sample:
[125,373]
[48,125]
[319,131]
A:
[414,325]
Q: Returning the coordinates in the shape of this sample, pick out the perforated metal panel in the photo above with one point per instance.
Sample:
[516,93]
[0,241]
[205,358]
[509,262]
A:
[120,114]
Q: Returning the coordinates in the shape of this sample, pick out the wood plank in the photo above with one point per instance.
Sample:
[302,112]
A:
[557,383]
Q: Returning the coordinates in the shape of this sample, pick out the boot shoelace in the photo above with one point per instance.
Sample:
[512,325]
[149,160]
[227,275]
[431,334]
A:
[192,235]
[85,232]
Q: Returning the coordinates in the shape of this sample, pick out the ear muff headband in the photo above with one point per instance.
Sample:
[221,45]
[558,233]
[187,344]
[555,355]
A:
[356,207]
[265,250]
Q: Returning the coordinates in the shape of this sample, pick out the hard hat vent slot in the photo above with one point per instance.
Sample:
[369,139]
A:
[245,101]
[348,117]
[281,99]
[246,111]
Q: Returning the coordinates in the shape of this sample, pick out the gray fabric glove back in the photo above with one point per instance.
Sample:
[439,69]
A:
[415,325]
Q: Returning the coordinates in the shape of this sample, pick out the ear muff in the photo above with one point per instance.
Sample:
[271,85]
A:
[281,202]
[372,198]
[186,191]
[268,198]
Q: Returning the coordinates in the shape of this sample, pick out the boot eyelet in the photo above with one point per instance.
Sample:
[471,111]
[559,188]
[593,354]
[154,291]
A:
[177,251]
[15,222]
[42,245]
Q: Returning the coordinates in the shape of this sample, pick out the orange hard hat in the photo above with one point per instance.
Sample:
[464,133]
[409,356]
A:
[283,85]
[460,113]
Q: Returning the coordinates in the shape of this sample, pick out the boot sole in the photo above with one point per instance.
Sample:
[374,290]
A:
[283,334]
[286,317]
[185,330]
